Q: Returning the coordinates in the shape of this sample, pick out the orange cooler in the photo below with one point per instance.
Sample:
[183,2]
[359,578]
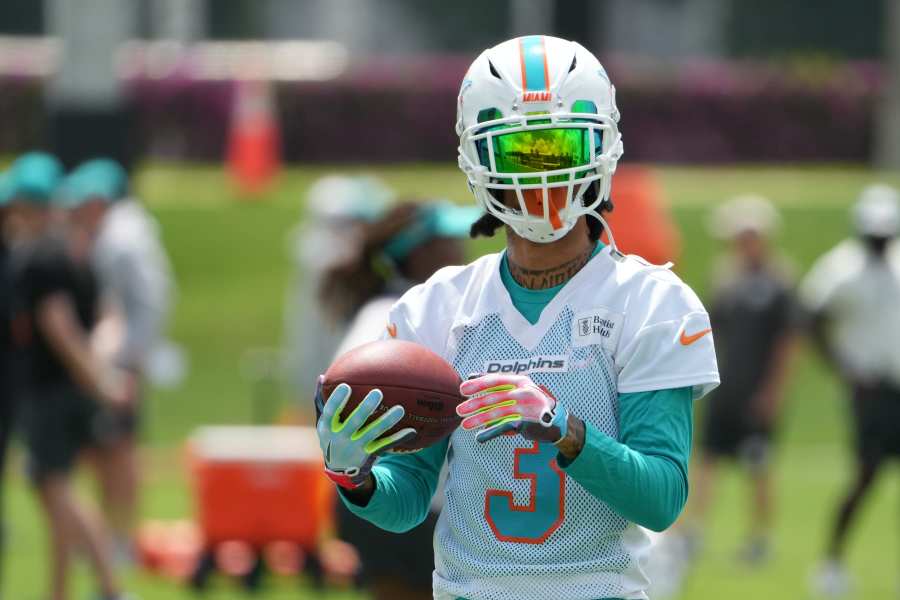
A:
[261,485]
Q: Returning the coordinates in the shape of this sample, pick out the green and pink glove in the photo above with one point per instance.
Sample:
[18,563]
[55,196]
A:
[499,404]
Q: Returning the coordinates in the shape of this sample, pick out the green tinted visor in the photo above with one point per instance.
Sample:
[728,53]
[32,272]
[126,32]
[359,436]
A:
[541,150]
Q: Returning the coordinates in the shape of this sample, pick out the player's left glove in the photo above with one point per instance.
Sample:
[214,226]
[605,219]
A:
[349,446]
[499,404]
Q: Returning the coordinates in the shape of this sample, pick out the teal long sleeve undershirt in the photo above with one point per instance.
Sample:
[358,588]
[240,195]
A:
[404,486]
[643,475]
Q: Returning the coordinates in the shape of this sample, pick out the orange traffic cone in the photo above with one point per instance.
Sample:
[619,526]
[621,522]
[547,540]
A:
[254,145]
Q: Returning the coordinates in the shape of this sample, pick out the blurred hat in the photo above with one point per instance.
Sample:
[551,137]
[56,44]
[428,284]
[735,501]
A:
[433,220]
[358,197]
[101,178]
[5,188]
[877,212]
[743,214]
[35,178]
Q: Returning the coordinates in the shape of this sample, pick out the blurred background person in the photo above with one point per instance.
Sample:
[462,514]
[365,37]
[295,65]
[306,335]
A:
[402,249]
[55,308]
[7,392]
[136,285]
[339,207]
[852,294]
[753,313]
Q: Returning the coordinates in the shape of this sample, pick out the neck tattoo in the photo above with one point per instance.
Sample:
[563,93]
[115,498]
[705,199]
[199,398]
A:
[541,279]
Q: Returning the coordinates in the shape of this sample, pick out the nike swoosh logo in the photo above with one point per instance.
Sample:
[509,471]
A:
[687,340]
[392,330]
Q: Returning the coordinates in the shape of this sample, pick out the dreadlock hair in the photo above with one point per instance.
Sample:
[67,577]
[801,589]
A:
[363,275]
[488,224]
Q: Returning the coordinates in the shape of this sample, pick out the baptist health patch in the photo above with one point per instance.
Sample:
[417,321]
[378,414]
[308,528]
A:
[597,326]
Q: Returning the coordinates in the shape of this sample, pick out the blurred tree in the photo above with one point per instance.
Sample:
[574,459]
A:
[182,20]
[87,107]
[235,20]
[461,25]
[656,28]
[530,16]
[21,17]
[573,21]
[887,130]
[665,30]
[766,28]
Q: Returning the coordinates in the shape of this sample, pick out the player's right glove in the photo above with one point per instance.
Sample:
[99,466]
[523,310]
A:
[497,404]
[350,447]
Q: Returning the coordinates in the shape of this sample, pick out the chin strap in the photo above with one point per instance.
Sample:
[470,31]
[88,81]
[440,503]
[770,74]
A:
[614,250]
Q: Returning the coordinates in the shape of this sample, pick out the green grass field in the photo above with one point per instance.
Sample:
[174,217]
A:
[232,267]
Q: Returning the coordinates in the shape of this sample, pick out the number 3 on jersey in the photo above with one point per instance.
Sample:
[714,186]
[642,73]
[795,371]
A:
[534,522]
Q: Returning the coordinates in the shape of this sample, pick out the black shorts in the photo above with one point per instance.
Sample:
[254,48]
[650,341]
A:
[876,412]
[408,557]
[729,430]
[58,424]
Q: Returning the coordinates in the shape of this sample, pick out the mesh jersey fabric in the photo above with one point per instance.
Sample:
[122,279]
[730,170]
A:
[514,526]
[472,548]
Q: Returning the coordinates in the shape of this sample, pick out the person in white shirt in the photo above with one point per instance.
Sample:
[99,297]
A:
[136,282]
[853,296]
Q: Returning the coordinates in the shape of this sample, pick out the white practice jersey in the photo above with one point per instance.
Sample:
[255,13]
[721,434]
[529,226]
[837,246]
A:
[861,297]
[514,526]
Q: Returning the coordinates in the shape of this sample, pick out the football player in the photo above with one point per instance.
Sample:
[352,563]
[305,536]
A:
[581,363]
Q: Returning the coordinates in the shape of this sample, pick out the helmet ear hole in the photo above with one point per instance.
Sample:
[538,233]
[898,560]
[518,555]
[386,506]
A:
[590,194]
[493,70]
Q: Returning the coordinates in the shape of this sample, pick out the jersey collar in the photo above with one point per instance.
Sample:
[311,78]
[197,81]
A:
[528,335]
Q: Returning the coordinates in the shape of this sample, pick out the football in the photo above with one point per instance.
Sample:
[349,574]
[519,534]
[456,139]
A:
[408,374]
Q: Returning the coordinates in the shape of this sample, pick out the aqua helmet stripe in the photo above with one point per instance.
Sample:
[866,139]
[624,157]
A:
[534,63]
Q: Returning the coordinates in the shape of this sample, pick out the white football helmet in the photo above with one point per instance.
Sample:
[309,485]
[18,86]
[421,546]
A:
[537,115]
